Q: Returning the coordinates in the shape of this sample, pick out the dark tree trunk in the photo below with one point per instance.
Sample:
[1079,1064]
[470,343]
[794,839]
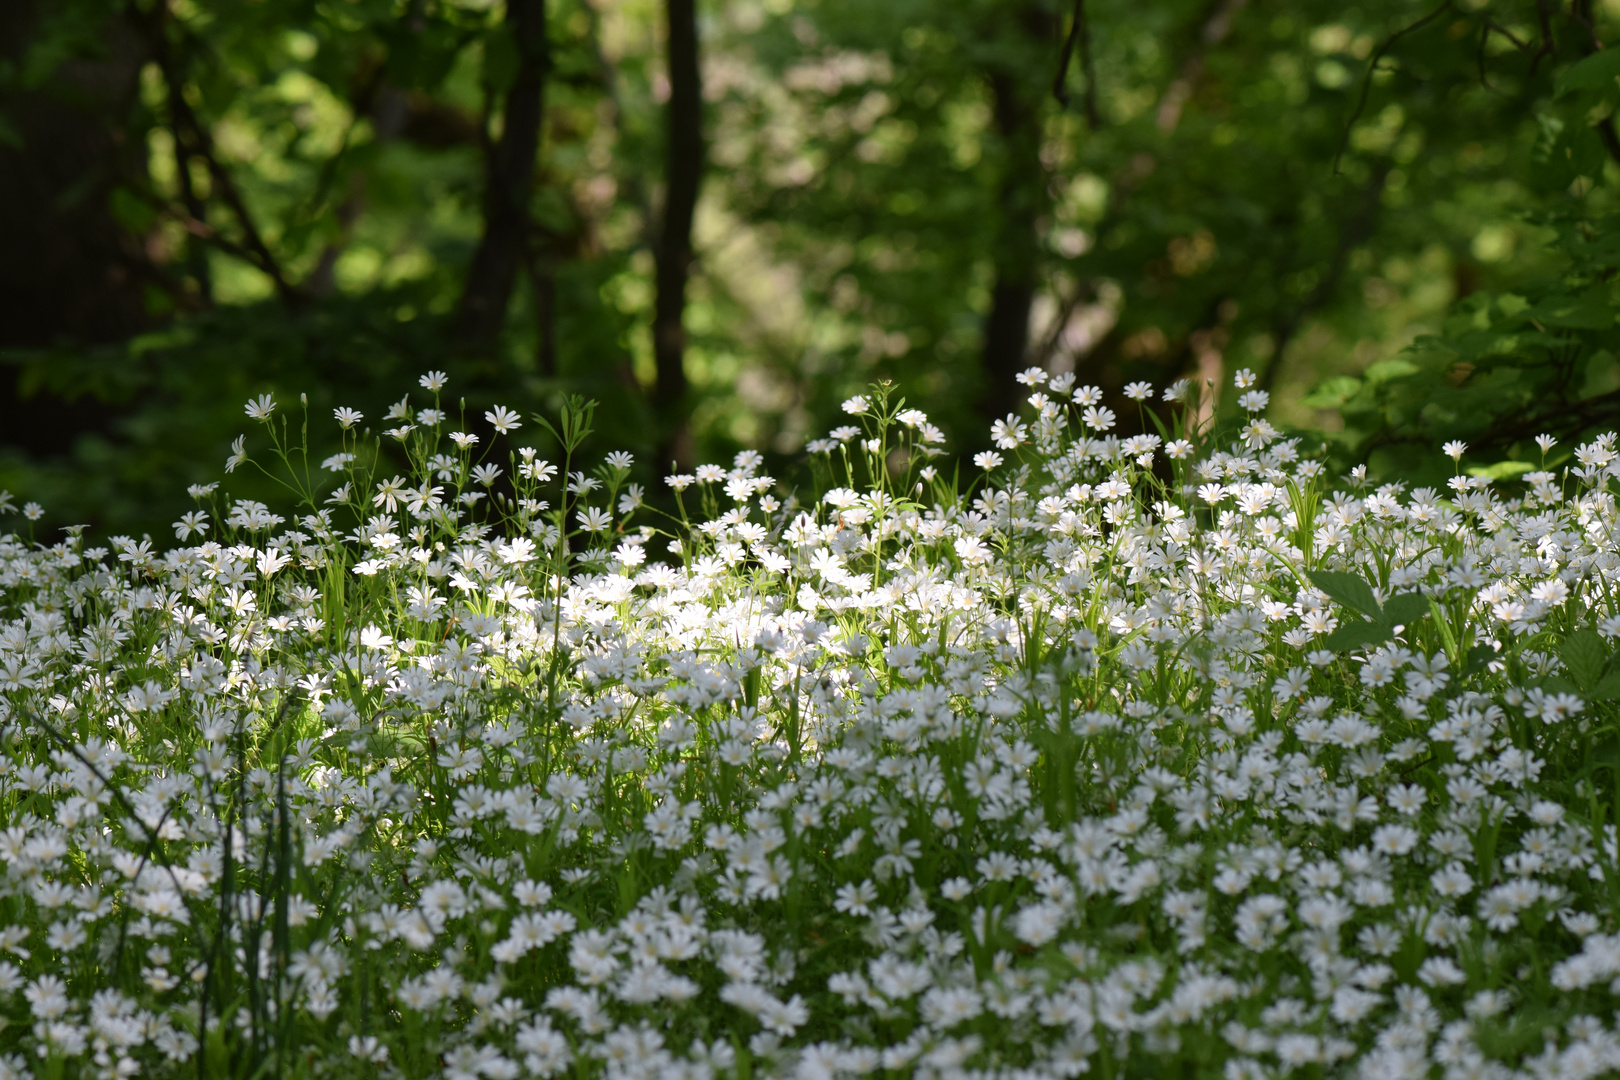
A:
[509,180]
[70,272]
[1016,252]
[683,176]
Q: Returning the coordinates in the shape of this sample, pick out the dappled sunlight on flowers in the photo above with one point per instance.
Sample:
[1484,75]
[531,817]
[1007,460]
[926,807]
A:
[1142,751]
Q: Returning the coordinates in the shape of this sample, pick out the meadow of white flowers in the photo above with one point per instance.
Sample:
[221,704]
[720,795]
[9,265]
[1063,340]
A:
[1144,757]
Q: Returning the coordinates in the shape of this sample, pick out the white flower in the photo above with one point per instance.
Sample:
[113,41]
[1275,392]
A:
[502,419]
[1098,418]
[238,453]
[1008,433]
[193,522]
[1038,924]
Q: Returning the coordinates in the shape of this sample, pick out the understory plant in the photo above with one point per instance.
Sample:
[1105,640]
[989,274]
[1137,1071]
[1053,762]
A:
[1169,755]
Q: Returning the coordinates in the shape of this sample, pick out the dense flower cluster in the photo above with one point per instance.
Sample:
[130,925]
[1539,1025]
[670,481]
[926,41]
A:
[1144,753]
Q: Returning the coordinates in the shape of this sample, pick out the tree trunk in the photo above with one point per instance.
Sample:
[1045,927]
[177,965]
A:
[509,181]
[683,174]
[1017,246]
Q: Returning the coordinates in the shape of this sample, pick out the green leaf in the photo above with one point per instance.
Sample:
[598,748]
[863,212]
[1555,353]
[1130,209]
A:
[1558,685]
[1478,657]
[1502,470]
[1596,72]
[1393,368]
[1332,393]
[1607,688]
[1405,609]
[1511,304]
[1347,590]
[1354,635]
[1590,310]
[1585,656]
[1447,638]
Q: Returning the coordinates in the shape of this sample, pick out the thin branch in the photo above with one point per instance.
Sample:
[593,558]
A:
[1505,32]
[1591,411]
[1549,46]
[1581,12]
[195,227]
[193,140]
[254,240]
[1372,66]
[1079,33]
[1484,39]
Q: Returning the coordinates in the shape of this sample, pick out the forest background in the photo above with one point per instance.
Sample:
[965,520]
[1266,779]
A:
[720,218]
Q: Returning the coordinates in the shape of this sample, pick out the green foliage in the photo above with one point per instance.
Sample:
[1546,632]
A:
[1382,620]
[448,774]
[1301,192]
[1505,368]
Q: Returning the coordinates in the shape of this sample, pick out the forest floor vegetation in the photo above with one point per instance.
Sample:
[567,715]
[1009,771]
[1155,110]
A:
[1167,755]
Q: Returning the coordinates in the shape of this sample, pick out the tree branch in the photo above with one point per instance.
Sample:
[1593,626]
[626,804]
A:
[1549,46]
[1079,32]
[194,226]
[1372,66]
[193,140]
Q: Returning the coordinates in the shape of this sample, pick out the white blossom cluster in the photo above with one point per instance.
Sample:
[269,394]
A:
[1147,756]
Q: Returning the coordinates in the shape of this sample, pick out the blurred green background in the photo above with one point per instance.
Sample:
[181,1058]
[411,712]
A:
[721,217]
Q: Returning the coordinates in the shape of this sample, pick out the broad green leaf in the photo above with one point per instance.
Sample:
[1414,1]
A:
[1585,656]
[1557,684]
[1478,657]
[1502,470]
[1353,635]
[1332,393]
[1596,72]
[1607,688]
[1405,609]
[1347,590]
[1393,368]
[1591,310]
